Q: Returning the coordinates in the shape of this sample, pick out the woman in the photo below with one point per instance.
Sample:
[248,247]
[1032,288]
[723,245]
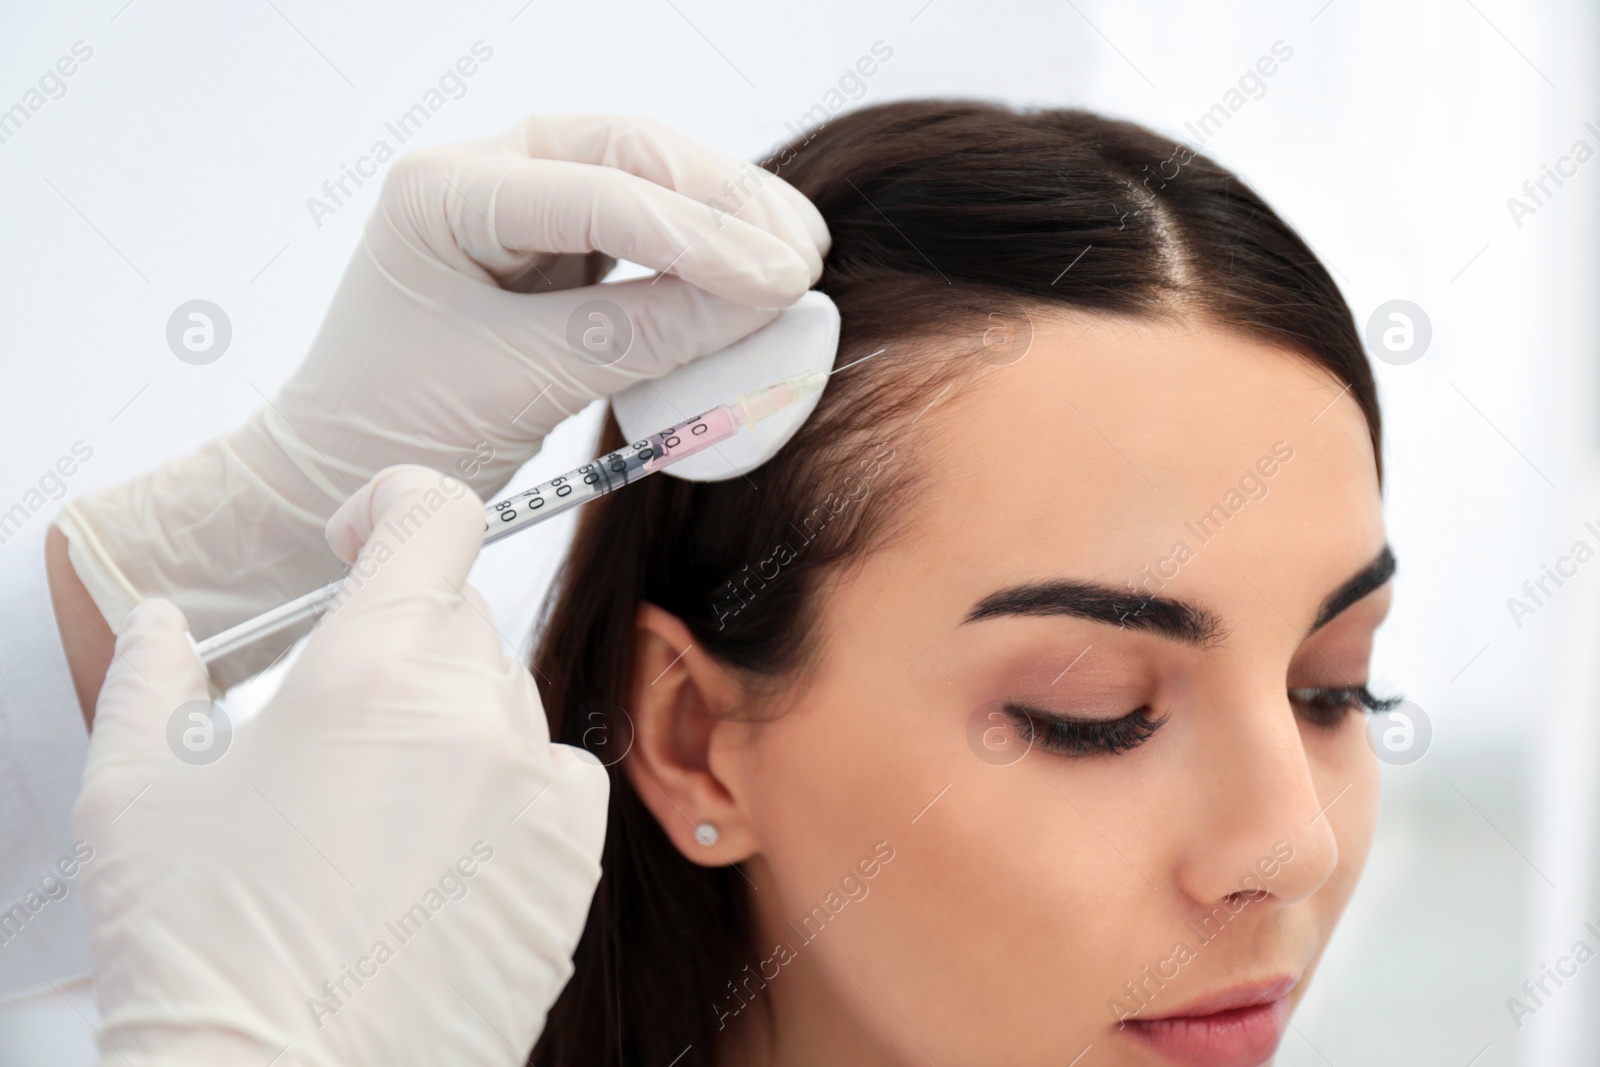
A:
[1011,713]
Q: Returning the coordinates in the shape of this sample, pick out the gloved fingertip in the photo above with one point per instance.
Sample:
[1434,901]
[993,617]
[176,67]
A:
[154,616]
[815,225]
[155,670]
[149,629]
[781,278]
[565,756]
[430,525]
[586,795]
[685,322]
[352,524]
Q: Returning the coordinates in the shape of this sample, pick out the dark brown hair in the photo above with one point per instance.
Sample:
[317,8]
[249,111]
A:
[942,213]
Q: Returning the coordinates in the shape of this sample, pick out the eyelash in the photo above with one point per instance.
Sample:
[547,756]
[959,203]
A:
[1327,707]
[1077,737]
[1321,706]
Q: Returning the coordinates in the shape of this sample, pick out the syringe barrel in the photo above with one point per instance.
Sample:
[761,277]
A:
[610,472]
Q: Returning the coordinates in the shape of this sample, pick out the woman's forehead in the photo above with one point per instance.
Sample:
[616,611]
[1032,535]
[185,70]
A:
[1109,444]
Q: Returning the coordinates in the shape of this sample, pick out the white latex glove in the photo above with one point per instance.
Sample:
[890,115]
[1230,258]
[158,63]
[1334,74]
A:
[425,358]
[405,762]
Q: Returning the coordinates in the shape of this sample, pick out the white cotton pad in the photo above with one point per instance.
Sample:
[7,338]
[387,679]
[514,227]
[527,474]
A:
[803,338]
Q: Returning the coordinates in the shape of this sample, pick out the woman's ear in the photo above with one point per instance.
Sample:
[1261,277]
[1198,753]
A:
[679,703]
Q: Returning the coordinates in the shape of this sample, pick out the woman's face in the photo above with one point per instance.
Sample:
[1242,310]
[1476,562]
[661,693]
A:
[1055,787]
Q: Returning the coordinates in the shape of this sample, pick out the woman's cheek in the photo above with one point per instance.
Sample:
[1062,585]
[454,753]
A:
[1347,777]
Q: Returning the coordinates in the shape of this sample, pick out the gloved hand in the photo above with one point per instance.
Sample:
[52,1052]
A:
[392,865]
[428,356]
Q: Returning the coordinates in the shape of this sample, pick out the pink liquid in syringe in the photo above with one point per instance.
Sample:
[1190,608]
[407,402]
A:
[690,437]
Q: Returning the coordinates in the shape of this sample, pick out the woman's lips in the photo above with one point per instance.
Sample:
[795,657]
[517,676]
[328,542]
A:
[1238,1028]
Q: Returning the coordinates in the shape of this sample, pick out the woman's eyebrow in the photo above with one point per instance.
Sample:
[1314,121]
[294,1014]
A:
[1368,578]
[1177,620]
[1174,619]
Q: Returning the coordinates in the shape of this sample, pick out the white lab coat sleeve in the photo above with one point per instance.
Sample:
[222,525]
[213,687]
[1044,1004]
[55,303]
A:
[43,744]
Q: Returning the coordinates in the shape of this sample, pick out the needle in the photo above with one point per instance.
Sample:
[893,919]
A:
[853,362]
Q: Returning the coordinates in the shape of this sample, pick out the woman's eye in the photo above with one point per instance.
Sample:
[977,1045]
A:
[1327,707]
[1083,737]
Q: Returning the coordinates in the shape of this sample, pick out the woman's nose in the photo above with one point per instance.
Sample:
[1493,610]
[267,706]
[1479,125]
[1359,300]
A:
[1257,826]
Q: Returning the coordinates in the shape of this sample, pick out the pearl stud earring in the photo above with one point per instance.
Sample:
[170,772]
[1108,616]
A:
[706,834]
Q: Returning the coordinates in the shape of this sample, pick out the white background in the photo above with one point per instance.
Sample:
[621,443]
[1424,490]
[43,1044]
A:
[179,161]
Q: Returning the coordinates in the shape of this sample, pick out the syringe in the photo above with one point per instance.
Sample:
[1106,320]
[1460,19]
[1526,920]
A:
[549,499]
